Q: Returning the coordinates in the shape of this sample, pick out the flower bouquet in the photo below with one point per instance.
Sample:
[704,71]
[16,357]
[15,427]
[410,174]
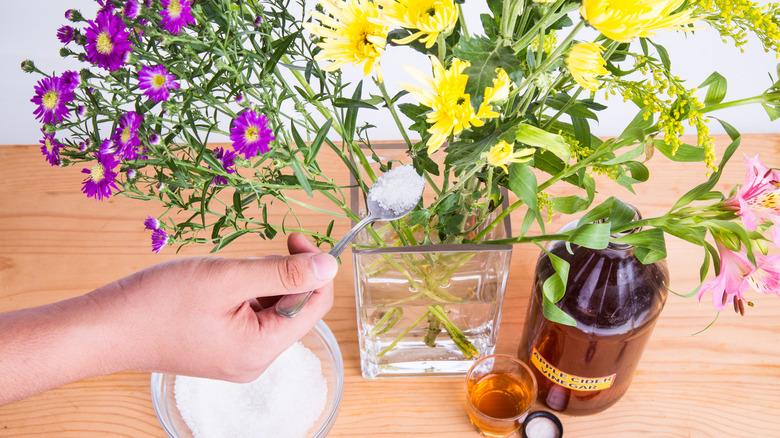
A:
[502,114]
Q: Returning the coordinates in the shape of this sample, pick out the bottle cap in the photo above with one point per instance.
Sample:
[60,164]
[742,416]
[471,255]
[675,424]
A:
[542,424]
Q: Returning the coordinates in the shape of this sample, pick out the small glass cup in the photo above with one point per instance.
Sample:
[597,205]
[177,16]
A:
[500,391]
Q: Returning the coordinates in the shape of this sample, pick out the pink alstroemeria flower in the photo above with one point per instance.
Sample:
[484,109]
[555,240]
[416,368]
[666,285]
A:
[737,274]
[758,199]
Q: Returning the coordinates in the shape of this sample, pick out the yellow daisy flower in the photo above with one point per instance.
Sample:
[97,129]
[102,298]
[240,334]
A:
[428,17]
[624,20]
[501,155]
[585,63]
[495,94]
[349,34]
[451,106]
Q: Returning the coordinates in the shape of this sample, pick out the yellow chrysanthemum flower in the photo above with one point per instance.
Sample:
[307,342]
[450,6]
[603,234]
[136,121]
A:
[451,107]
[501,155]
[624,20]
[349,34]
[428,17]
[584,61]
[495,94]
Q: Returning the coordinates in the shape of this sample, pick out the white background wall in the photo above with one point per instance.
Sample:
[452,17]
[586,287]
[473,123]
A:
[28,31]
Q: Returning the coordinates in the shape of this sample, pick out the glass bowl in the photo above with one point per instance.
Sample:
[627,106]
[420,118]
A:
[319,340]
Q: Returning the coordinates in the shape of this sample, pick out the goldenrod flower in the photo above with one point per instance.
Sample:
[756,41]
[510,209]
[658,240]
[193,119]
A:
[349,34]
[495,94]
[451,106]
[501,155]
[584,62]
[428,17]
[624,20]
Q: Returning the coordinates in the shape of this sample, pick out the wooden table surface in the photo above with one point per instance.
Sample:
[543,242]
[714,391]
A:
[55,244]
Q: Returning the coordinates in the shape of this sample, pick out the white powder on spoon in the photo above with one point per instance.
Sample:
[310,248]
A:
[398,190]
[284,401]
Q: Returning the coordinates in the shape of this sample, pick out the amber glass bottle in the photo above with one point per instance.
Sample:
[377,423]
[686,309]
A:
[615,300]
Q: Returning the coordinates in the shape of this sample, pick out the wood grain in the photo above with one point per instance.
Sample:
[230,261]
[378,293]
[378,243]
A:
[55,244]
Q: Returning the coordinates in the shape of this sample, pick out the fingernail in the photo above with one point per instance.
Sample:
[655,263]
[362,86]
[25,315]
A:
[324,266]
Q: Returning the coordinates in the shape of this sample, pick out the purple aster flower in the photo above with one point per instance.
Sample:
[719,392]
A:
[228,160]
[73,15]
[239,98]
[65,34]
[125,138]
[132,9]
[159,239]
[71,79]
[81,110]
[51,149]
[102,177]
[250,134]
[151,223]
[155,82]
[107,147]
[107,43]
[258,20]
[154,139]
[51,95]
[82,146]
[131,173]
[176,14]
[106,5]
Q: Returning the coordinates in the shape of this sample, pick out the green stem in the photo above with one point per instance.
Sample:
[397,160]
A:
[403,333]
[762,98]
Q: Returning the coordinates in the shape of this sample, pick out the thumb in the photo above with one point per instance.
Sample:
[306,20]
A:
[293,274]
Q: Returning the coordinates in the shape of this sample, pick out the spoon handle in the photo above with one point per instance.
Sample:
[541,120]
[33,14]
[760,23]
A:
[289,305]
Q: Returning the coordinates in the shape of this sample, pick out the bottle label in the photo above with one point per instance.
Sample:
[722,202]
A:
[568,380]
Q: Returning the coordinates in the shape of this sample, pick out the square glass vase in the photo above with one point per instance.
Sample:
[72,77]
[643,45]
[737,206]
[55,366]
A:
[429,310]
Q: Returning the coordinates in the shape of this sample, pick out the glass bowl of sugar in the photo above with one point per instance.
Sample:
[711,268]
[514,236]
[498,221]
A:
[297,396]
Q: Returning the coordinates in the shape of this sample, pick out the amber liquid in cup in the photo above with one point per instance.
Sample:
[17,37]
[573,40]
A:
[500,391]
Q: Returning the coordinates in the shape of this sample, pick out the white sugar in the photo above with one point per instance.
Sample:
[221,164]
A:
[541,427]
[398,190]
[284,401]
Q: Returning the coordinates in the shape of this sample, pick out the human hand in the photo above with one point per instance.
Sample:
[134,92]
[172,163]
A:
[213,317]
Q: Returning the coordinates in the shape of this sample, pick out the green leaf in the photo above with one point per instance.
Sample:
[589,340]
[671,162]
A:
[620,214]
[300,175]
[663,54]
[217,226]
[685,153]
[350,121]
[773,111]
[522,182]
[316,144]
[225,241]
[485,56]
[553,290]
[594,236]
[574,203]
[600,212]
[298,139]
[554,314]
[561,101]
[649,245]
[636,129]
[708,185]
[537,137]
[626,156]
[280,48]
[343,102]
[716,90]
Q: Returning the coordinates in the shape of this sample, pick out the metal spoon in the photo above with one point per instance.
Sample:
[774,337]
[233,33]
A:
[379,209]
